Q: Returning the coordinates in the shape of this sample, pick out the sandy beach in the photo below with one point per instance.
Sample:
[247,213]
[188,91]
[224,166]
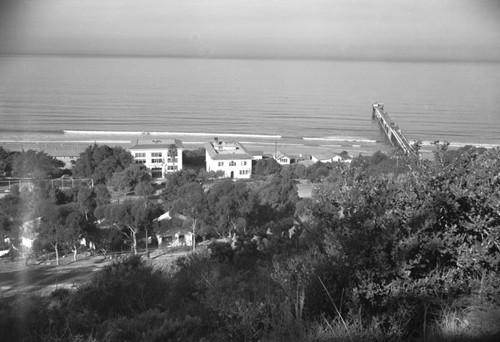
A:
[64,147]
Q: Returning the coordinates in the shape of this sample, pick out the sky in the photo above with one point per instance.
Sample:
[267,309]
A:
[399,29]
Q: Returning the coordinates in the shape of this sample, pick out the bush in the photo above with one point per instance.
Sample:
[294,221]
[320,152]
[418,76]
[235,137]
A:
[124,288]
[24,318]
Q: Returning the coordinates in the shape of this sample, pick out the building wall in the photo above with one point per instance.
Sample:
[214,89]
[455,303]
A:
[157,160]
[233,168]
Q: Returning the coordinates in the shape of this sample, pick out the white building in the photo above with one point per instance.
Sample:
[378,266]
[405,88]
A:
[155,155]
[282,158]
[330,157]
[230,157]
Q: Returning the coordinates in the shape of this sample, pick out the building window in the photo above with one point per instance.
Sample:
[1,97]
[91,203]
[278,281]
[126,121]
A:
[243,163]
[156,172]
[139,155]
[221,163]
[156,154]
[140,161]
[172,168]
[156,161]
[232,163]
[244,172]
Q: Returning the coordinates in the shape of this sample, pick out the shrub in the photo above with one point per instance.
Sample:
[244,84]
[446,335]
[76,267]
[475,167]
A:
[124,288]
[23,318]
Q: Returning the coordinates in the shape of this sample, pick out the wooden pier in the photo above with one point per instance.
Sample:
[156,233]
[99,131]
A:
[391,130]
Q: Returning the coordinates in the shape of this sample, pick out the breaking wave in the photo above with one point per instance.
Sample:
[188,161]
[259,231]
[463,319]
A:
[340,138]
[138,133]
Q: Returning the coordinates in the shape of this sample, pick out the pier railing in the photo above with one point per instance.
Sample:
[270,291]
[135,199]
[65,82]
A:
[391,130]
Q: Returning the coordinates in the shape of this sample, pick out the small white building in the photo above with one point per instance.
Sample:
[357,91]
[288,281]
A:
[230,157]
[330,157]
[156,156]
[282,158]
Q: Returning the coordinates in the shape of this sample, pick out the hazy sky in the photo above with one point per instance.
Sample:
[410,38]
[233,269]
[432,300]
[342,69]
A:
[462,29]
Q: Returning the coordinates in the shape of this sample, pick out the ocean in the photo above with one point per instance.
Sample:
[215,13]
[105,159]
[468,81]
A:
[324,103]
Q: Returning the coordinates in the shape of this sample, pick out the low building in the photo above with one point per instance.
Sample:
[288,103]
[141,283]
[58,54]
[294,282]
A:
[230,157]
[330,157]
[282,158]
[159,156]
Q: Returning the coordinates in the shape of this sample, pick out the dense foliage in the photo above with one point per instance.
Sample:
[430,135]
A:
[388,248]
[29,164]
[100,162]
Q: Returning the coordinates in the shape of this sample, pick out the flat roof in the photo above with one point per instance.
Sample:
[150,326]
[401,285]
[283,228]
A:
[152,144]
[227,150]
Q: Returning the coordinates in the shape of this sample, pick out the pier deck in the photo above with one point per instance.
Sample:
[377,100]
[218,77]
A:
[391,130]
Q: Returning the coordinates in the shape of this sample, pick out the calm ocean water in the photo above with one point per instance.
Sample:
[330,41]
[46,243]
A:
[324,102]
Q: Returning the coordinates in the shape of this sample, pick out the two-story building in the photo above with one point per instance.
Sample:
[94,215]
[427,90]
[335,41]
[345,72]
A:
[230,157]
[159,156]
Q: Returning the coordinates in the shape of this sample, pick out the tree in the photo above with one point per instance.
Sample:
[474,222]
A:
[77,227]
[6,161]
[194,158]
[413,238]
[99,162]
[53,229]
[230,205]
[267,166]
[86,201]
[280,192]
[174,181]
[132,217]
[172,153]
[102,194]
[129,178]
[38,165]
[10,218]
[191,202]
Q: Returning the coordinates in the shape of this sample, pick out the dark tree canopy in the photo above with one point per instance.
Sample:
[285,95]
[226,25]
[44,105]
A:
[99,162]
[129,178]
[174,181]
[38,165]
[267,166]
[230,205]
[6,161]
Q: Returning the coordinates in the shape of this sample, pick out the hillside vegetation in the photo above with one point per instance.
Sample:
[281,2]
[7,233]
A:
[388,248]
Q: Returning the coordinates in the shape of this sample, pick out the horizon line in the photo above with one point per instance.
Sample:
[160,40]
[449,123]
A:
[257,57]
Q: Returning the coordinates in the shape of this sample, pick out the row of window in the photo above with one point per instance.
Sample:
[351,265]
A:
[233,163]
[169,167]
[244,172]
[153,161]
[153,154]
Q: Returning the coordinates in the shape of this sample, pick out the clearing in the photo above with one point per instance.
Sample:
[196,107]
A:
[17,278]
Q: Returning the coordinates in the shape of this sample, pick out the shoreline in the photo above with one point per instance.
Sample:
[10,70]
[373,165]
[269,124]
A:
[68,150]
[72,144]
[68,147]
[71,149]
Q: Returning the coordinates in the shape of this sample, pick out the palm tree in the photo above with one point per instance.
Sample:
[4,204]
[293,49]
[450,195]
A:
[172,153]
